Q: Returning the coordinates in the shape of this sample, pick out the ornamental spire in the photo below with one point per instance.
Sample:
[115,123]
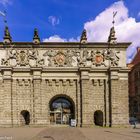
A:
[112,38]
[84,37]
[7,37]
[36,38]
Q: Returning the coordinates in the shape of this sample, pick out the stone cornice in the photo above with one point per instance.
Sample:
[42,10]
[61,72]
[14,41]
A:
[63,69]
[65,45]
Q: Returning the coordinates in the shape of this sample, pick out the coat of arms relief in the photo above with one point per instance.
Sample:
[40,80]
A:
[22,58]
[61,58]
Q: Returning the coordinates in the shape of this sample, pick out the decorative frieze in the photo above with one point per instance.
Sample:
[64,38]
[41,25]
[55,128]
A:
[61,58]
[16,58]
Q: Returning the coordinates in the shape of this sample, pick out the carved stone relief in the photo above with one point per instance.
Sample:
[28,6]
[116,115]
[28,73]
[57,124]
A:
[59,58]
[22,58]
[62,58]
[97,58]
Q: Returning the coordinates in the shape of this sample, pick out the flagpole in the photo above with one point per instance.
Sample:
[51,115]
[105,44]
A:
[3,14]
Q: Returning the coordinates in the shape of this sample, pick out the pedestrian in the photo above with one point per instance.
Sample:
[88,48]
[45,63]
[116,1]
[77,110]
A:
[134,125]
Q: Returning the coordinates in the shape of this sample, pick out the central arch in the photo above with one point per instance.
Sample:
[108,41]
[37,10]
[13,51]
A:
[61,110]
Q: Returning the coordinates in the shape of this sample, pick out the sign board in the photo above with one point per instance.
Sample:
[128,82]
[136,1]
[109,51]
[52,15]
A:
[73,122]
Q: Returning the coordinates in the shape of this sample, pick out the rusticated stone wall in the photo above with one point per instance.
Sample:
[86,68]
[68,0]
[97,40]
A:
[119,102]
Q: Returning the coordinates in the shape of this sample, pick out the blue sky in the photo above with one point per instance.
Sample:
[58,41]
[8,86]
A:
[64,20]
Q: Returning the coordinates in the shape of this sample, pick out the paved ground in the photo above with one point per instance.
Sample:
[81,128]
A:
[65,133]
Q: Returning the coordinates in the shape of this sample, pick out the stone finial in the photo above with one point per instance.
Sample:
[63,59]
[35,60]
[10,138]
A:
[112,39]
[84,37]
[7,37]
[36,38]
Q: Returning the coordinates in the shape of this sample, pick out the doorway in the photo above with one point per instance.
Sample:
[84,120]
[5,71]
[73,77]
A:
[98,118]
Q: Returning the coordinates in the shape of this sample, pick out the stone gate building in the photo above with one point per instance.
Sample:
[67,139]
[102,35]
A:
[51,83]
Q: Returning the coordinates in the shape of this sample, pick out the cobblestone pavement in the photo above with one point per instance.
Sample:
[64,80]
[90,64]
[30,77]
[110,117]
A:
[66,133]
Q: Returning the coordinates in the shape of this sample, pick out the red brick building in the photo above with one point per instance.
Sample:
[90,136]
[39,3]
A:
[134,86]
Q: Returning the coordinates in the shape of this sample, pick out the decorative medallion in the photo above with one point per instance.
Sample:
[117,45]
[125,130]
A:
[60,59]
[99,58]
[22,58]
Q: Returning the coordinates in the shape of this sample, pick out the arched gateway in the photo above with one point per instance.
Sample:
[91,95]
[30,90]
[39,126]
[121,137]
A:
[61,110]
[80,77]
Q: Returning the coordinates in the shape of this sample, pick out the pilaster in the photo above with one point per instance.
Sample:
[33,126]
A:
[85,86]
[79,104]
[37,96]
[8,107]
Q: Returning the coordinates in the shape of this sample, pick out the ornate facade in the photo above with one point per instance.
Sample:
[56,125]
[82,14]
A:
[51,83]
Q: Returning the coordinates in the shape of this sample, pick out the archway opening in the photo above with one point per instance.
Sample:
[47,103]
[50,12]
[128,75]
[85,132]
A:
[98,118]
[26,117]
[61,110]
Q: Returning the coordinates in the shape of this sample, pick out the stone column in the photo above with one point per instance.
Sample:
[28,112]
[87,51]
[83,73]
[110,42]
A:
[8,107]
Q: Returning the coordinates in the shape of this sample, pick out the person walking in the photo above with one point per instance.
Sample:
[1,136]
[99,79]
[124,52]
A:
[134,125]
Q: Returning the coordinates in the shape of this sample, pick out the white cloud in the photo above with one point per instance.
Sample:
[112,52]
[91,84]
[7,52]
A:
[74,40]
[54,38]
[53,20]
[57,38]
[127,29]
[5,2]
